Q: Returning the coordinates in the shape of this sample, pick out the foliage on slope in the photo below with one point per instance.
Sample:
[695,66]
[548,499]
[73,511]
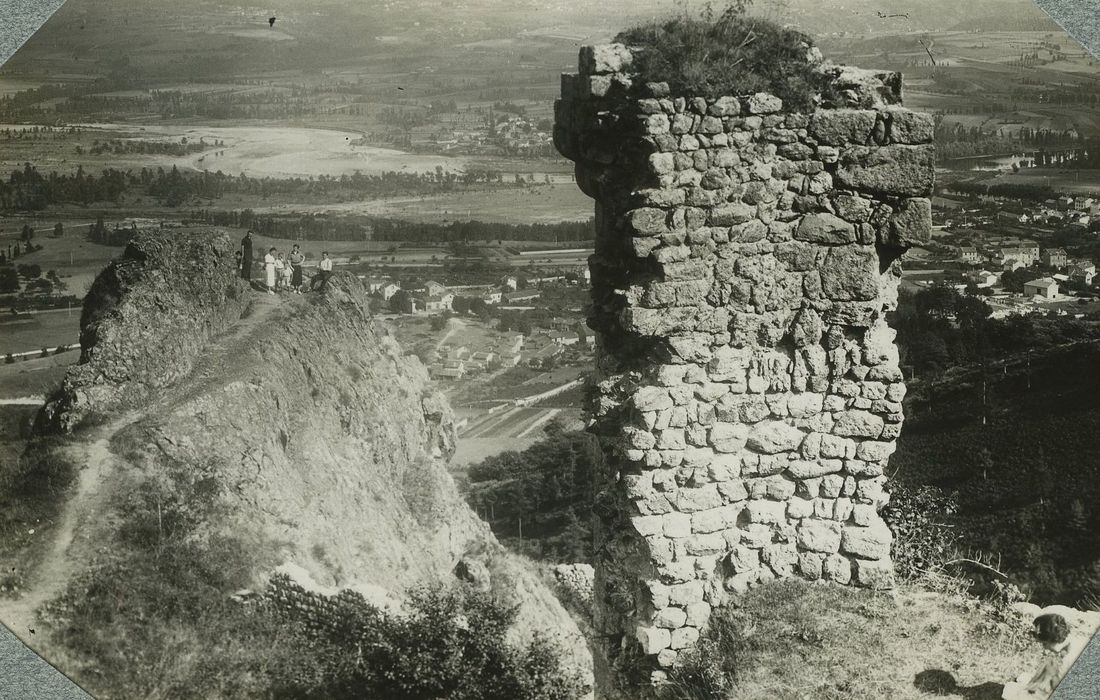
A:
[1024,480]
[155,618]
[539,501]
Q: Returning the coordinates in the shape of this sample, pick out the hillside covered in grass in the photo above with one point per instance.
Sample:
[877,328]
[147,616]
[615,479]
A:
[793,639]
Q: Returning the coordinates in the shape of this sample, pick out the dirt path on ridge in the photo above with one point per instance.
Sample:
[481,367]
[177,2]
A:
[76,531]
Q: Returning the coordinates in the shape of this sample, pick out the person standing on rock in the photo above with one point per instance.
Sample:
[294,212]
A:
[325,271]
[246,257]
[269,270]
[296,260]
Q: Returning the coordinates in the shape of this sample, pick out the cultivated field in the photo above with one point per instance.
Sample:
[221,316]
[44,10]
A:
[534,204]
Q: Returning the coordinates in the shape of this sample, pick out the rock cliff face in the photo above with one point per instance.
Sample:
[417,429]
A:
[748,391]
[145,321]
[322,440]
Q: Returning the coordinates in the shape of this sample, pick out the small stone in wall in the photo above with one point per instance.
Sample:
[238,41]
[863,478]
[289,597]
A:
[837,568]
[775,436]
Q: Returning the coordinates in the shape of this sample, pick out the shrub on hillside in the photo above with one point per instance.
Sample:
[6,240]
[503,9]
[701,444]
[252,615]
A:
[923,541]
[155,617]
[728,54]
[449,643]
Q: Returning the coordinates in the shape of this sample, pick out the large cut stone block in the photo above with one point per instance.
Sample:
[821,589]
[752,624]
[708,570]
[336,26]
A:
[894,171]
[825,228]
[851,273]
[839,127]
[912,225]
[871,542]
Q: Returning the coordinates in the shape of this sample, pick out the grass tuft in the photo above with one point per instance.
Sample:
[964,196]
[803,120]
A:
[730,53]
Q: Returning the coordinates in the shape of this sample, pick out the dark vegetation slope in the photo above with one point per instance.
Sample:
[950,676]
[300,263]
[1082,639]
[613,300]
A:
[1022,466]
[539,501]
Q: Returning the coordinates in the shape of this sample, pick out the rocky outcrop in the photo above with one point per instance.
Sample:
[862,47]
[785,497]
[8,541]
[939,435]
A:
[748,392]
[322,442]
[146,320]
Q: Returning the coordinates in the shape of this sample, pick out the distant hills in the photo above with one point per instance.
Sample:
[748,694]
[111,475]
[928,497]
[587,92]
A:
[201,39]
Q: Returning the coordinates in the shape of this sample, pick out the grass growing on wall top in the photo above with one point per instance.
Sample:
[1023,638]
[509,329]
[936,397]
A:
[728,53]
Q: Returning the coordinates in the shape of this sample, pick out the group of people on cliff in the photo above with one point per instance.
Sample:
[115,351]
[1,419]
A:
[283,272]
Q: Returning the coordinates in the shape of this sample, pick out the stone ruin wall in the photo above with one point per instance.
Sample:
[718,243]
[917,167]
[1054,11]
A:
[748,393]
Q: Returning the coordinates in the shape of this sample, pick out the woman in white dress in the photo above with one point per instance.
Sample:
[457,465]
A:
[269,270]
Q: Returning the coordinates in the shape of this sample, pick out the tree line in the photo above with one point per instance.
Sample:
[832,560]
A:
[368,228]
[939,329]
[27,189]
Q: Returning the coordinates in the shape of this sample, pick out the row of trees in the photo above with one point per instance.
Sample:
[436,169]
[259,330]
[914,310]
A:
[539,501]
[938,329]
[28,189]
[366,228]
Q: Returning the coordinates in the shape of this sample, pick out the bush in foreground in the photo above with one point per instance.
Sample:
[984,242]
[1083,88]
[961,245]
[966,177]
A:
[155,617]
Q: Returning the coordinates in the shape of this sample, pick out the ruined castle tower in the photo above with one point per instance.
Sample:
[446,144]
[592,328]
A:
[748,391]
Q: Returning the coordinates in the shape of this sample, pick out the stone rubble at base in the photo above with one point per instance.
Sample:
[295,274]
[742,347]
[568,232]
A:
[748,393]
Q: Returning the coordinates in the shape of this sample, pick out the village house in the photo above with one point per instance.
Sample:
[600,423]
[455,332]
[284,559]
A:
[388,290]
[1054,257]
[444,372]
[373,284]
[1082,271]
[522,295]
[454,353]
[486,359]
[1045,287]
[969,254]
[434,289]
[1028,255]
[512,345]
[982,278]
[565,338]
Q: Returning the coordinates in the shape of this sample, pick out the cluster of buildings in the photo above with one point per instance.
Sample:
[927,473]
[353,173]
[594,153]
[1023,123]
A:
[519,135]
[1078,211]
[434,297]
[459,360]
[1013,254]
[455,361]
[515,134]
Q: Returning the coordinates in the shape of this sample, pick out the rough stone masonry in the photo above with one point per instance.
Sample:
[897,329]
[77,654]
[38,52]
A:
[748,392]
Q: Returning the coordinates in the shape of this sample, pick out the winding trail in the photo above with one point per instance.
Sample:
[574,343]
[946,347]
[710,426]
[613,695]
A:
[76,533]
[56,568]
